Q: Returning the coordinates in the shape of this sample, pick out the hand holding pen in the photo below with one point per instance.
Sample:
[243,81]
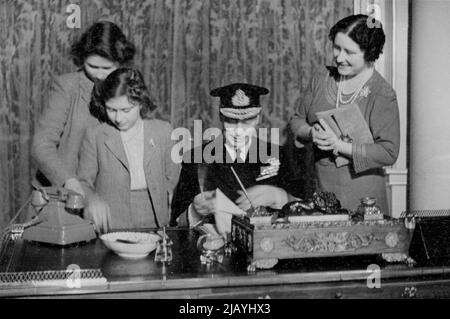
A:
[204,203]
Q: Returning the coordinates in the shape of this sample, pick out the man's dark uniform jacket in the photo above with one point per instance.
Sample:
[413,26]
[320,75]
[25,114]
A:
[219,175]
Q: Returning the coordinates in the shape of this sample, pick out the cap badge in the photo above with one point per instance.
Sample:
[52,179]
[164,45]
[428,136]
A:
[240,99]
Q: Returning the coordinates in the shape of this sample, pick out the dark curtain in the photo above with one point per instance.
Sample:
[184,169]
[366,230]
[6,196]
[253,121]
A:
[184,49]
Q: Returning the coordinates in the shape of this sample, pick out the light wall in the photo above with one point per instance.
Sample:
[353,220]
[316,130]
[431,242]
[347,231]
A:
[393,65]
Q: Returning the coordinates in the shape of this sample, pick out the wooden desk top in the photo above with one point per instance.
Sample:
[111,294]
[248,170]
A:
[186,276]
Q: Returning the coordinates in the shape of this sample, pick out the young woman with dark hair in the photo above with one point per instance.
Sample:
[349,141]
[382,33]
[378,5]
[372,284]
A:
[106,40]
[125,166]
[101,49]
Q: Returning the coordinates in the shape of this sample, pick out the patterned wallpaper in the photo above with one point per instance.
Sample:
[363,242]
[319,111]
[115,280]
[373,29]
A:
[184,49]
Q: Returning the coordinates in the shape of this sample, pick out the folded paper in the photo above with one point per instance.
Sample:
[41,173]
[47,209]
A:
[225,209]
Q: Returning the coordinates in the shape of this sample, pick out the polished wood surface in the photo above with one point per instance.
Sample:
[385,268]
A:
[185,276]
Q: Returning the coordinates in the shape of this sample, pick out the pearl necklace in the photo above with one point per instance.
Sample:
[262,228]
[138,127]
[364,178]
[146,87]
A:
[354,96]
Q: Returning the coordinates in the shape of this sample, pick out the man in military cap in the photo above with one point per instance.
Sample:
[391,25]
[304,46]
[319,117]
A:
[257,163]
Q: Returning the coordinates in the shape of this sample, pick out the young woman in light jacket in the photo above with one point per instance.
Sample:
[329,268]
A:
[125,166]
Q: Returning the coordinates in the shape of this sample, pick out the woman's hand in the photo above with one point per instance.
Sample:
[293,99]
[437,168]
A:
[263,195]
[326,140]
[98,211]
[74,185]
[323,136]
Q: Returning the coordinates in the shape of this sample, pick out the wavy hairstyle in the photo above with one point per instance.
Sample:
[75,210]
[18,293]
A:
[369,36]
[105,39]
[123,81]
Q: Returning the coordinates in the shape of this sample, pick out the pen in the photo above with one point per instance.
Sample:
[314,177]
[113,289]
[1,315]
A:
[242,186]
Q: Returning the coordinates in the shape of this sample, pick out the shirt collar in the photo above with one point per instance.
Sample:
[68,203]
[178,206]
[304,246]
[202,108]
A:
[243,150]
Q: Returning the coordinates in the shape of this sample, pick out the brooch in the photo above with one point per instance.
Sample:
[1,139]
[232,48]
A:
[240,99]
[364,91]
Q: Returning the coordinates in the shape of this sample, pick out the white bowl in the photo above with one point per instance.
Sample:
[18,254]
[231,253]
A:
[141,244]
